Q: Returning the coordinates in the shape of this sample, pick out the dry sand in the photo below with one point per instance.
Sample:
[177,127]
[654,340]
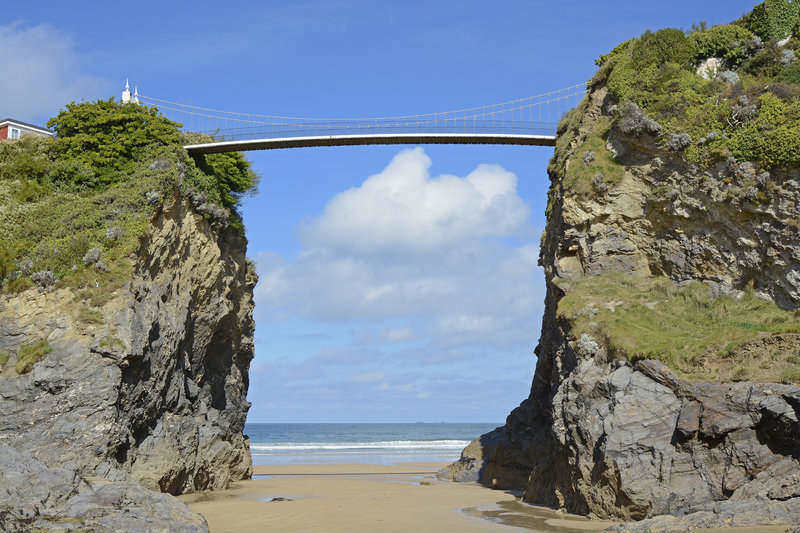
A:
[372,498]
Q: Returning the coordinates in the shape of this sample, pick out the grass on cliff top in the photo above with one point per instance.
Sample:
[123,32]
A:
[750,111]
[701,338]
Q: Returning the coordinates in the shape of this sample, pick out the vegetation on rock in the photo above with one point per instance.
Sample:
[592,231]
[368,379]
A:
[592,167]
[748,110]
[94,187]
[772,19]
[725,338]
[30,354]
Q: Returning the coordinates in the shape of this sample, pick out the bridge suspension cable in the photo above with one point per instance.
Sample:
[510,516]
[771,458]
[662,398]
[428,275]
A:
[532,115]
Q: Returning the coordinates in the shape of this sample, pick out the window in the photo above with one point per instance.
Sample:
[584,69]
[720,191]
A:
[13,133]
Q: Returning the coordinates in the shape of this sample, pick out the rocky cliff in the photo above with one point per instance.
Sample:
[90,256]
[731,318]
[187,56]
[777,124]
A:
[670,323]
[144,384]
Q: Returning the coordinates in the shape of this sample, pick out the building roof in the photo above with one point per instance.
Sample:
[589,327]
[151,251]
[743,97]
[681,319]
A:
[25,125]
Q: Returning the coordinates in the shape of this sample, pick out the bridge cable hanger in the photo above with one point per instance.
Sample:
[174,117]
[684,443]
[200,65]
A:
[531,120]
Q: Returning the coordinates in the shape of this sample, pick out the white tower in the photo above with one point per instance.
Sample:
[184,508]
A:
[136,95]
[126,94]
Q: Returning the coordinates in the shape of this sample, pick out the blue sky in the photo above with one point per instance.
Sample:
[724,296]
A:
[398,283]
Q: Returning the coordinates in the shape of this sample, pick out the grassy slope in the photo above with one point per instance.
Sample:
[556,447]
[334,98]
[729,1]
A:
[725,339]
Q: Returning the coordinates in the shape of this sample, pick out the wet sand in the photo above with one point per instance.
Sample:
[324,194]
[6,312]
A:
[353,498]
[359,497]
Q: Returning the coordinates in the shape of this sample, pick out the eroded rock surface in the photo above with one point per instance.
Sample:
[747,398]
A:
[151,387]
[35,497]
[602,436]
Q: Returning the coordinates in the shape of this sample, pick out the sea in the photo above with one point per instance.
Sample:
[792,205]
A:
[383,444]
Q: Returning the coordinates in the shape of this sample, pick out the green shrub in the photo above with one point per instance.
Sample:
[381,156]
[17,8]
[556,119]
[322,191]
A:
[108,138]
[791,73]
[638,70]
[772,19]
[729,42]
[230,175]
[32,165]
[58,197]
[4,357]
[766,63]
[619,49]
[28,158]
[669,45]
[30,354]
[773,138]
[751,114]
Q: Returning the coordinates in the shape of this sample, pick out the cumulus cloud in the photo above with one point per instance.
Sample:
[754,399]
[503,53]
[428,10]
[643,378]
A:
[405,244]
[431,273]
[42,71]
[403,209]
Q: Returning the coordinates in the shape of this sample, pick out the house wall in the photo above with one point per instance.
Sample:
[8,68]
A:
[5,131]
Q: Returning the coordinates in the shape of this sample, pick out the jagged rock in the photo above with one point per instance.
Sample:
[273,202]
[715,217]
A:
[719,515]
[611,438]
[113,233]
[156,393]
[25,266]
[598,183]
[587,345]
[710,136]
[152,197]
[44,278]
[677,142]
[35,497]
[635,122]
[92,256]
[729,77]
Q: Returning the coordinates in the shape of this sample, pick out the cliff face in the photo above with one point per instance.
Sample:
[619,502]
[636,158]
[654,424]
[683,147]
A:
[152,385]
[613,434]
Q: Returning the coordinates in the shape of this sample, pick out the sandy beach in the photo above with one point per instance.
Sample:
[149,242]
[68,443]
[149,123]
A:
[334,498]
[372,498]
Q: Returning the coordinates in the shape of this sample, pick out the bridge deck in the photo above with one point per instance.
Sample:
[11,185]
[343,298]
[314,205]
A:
[353,140]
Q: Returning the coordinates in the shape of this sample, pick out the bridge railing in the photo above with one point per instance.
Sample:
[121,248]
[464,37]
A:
[495,127]
[532,115]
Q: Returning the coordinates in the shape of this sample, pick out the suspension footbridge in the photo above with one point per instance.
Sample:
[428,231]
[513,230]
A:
[525,121]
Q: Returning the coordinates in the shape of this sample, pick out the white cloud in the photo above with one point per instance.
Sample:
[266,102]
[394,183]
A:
[42,71]
[427,274]
[402,209]
[404,244]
